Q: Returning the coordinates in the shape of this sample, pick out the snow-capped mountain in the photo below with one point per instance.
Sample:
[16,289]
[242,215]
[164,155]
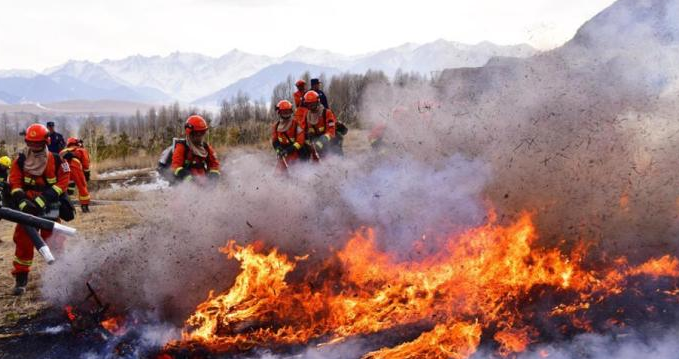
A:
[436,56]
[191,77]
[187,76]
[318,57]
[260,85]
[18,73]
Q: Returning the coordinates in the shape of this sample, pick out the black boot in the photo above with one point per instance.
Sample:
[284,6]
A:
[85,208]
[21,280]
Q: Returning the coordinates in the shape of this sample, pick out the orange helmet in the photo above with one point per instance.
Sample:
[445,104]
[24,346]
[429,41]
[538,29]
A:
[195,123]
[310,97]
[283,105]
[300,83]
[72,141]
[37,133]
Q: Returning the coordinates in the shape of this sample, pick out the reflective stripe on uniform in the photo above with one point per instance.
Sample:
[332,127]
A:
[23,262]
[297,145]
[17,190]
[58,190]
[39,201]
[52,180]
[83,198]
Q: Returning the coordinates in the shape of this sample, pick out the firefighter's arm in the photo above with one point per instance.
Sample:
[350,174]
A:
[212,163]
[274,137]
[330,125]
[300,135]
[14,179]
[57,185]
[85,161]
[329,134]
[15,184]
[177,166]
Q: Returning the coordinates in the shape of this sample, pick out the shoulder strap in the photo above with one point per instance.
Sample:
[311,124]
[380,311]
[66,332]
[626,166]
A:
[20,161]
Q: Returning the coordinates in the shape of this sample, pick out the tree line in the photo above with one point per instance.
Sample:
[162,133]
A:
[240,120]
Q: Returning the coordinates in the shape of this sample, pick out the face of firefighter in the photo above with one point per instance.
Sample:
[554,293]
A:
[36,146]
[314,106]
[285,114]
[316,87]
[301,88]
[197,136]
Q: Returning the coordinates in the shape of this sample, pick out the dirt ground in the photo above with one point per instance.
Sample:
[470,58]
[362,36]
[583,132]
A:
[101,219]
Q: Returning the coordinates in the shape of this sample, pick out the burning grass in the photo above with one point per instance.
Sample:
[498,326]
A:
[490,283]
[102,219]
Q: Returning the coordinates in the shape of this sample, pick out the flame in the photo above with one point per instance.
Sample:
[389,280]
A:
[457,341]
[476,283]
[69,313]
[114,325]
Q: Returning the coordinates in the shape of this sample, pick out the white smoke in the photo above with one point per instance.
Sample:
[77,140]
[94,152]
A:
[568,135]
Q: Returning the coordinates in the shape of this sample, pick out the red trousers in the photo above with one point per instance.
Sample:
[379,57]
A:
[78,180]
[23,252]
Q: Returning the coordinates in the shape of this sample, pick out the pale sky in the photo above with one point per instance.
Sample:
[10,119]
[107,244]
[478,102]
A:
[35,34]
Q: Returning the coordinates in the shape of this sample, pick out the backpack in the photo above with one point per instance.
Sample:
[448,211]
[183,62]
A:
[165,160]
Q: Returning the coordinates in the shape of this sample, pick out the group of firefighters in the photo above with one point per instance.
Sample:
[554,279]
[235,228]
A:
[40,179]
[307,131]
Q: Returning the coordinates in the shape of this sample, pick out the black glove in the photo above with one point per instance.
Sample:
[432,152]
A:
[182,173]
[213,176]
[49,196]
[87,175]
[68,156]
[288,150]
[28,206]
[277,145]
[321,142]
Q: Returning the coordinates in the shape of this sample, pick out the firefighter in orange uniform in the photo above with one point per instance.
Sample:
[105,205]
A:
[320,124]
[299,94]
[194,159]
[287,137]
[37,179]
[76,158]
[84,157]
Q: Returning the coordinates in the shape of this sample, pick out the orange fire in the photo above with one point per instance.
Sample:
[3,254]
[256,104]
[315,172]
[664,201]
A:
[114,325]
[477,283]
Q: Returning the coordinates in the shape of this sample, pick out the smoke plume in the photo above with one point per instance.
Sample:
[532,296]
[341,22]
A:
[585,137]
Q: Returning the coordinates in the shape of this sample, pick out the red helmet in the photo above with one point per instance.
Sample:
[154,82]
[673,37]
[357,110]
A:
[300,83]
[283,105]
[310,97]
[37,133]
[72,141]
[195,123]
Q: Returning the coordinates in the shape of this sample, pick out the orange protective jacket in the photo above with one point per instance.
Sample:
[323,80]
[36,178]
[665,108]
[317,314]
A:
[55,177]
[293,136]
[183,157]
[82,155]
[77,178]
[325,127]
[298,96]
